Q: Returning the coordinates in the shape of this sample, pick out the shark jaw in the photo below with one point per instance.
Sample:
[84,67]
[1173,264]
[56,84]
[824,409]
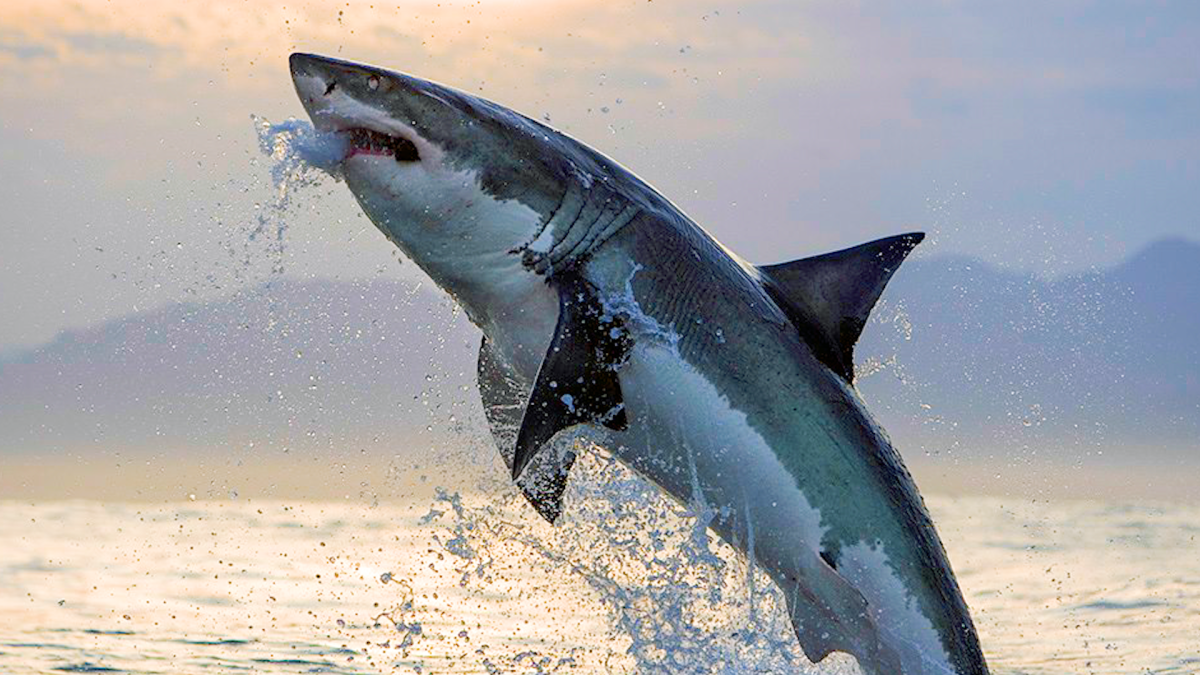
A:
[438,214]
[370,129]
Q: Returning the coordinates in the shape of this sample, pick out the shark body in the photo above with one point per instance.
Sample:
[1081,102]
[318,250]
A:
[724,383]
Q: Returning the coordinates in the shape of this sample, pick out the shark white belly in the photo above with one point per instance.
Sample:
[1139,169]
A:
[690,441]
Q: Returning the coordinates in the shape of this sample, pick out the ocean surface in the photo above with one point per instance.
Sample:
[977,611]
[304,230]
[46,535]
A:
[474,582]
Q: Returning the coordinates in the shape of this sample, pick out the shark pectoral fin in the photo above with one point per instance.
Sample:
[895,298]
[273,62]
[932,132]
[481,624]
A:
[504,398]
[545,479]
[828,614]
[577,382]
[829,297]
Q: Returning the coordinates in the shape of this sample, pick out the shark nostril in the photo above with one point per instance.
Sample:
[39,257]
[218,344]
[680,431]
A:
[331,87]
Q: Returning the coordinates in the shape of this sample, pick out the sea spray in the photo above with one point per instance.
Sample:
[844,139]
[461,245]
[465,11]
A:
[298,149]
[301,156]
[678,600]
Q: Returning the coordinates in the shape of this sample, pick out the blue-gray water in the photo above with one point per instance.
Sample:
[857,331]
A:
[477,584]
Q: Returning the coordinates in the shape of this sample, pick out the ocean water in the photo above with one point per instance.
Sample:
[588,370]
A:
[474,582]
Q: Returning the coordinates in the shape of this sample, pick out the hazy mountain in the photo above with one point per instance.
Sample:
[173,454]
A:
[960,357]
[984,361]
[314,363]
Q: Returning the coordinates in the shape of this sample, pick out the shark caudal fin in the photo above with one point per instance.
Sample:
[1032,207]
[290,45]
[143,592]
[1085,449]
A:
[828,297]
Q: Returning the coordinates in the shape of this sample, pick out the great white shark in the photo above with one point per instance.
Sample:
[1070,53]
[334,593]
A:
[725,383]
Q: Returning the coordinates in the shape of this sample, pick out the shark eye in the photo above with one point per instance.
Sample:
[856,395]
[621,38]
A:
[373,82]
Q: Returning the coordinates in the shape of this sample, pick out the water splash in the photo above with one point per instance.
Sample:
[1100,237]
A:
[678,600]
[300,150]
[301,156]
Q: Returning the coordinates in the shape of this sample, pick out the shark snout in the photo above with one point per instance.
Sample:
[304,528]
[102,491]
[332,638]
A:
[339,95]
[321,67]
[325,84]
[317,78]
[301,64]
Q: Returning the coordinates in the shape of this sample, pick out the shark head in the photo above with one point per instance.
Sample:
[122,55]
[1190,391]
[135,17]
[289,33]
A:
[456,182]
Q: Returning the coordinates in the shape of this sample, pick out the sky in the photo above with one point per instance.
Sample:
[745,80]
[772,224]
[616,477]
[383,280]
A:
[1045,137]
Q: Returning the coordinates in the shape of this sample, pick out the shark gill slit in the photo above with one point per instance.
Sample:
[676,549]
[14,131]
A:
[627,216]
[524,248]
[574,202]
[592,211]
[610,211]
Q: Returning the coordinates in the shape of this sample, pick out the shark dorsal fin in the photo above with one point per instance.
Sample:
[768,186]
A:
[828,297]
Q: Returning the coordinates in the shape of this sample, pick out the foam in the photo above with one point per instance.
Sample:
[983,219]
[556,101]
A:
[297,147]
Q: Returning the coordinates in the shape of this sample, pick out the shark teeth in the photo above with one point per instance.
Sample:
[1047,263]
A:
[370,142]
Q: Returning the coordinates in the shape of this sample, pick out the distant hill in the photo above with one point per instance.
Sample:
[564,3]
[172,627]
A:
[985,361]
[960,359]
[284,365]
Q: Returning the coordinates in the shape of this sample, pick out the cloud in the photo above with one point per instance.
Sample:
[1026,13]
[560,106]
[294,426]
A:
[110,44]
[16,46]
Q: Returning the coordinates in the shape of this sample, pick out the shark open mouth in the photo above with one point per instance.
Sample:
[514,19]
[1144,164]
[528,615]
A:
[370,142]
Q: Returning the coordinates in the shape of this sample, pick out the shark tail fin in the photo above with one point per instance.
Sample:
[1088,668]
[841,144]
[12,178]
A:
[829,297]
